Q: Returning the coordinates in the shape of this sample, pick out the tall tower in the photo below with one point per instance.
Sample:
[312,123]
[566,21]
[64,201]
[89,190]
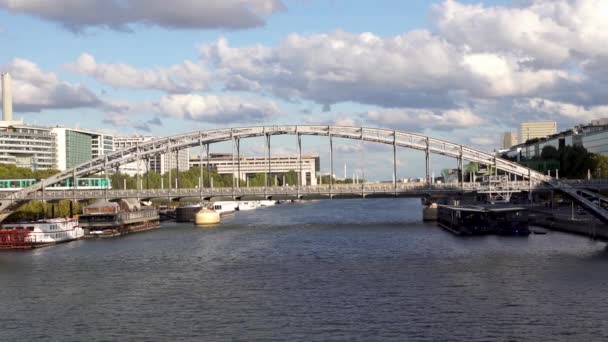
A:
[7,98]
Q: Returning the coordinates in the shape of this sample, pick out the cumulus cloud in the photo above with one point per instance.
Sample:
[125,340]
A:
[216,109]
[182,77]
[416,69]
[421,119]
[34,89]
[541,32]
[561,110]
[77,15]
[549,49]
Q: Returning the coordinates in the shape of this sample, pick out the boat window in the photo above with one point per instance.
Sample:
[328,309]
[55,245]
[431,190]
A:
[31,229]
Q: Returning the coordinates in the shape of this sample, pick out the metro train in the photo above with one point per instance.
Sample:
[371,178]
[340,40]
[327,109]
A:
[81,183]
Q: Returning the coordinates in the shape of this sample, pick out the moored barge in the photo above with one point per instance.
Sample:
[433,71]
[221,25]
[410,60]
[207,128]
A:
[109,219]
[483,220]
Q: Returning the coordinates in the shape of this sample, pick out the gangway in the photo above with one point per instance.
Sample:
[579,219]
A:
[588,199]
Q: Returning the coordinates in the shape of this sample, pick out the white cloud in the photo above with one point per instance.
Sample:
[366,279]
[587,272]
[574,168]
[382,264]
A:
[34,89]
[541,32]
[492,58]
[421,119]
[216,109]
[77,15]
[182,77]
[416,69]
[561,110]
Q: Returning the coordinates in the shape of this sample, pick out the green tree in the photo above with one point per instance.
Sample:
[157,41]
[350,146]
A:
[599,165]
[291,178]
[549,153]
[574,162]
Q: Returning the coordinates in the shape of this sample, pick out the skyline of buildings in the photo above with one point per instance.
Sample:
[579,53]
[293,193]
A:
[593,137]
[159,164]
[225,163]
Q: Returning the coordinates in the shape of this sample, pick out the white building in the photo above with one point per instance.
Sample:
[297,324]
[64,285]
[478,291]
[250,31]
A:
[509,139]
[77,146]
[159,164]
[27,146]
[249,166]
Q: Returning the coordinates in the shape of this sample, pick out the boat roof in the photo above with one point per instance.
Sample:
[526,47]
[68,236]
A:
[102,204]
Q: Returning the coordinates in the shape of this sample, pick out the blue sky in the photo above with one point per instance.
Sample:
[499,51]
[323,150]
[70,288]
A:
[459,70]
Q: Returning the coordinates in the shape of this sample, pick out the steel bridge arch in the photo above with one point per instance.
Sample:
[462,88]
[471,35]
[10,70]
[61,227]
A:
[397,138]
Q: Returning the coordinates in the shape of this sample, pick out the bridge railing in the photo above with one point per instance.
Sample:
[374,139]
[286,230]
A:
[323,190]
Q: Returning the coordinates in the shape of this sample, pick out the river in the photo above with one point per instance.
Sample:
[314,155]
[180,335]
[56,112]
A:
[343,270]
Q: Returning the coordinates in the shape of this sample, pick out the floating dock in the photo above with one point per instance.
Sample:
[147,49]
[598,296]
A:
[484,220]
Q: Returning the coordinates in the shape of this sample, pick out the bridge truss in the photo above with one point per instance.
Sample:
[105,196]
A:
[395,138]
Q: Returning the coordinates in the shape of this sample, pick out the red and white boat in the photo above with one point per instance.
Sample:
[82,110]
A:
[26,235]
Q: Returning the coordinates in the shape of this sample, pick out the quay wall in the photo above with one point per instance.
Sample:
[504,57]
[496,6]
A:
[588,227]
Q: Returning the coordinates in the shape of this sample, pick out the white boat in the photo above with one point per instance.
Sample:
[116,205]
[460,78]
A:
[267,203]
[39,233]
[225,207]
[248,205]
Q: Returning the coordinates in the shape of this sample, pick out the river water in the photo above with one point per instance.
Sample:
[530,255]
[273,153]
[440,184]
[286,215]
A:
[345,270]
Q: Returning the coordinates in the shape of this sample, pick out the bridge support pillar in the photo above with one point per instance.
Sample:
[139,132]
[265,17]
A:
[429,211]
[428,162]
[394,162]
[331,162]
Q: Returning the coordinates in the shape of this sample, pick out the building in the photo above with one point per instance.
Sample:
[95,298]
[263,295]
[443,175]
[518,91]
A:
[77,146]
[159,164]
[593,137]
[537,129]
[20,144]
[41,148]
[27,146]
[224,163]
[596,141]
[509,140]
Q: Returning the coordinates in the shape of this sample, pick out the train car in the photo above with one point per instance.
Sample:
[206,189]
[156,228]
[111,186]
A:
[16,184]
[81,183]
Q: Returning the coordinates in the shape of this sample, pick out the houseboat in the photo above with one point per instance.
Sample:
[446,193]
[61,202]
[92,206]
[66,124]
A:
[482,220]
[248,205]
[110,219]
[40,233]
[224,207]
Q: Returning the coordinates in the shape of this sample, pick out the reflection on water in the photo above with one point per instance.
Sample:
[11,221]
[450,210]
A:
[327,270]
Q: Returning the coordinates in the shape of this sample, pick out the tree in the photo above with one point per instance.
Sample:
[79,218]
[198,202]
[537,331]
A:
[574,161]
[550,152]
[599,165]
[291,178]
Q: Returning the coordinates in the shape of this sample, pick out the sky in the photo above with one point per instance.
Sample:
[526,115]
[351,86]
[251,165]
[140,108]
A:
[463,71]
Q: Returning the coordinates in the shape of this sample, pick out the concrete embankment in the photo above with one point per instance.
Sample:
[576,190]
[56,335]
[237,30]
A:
[589,227]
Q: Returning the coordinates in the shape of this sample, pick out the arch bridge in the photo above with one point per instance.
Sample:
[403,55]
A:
[524,176]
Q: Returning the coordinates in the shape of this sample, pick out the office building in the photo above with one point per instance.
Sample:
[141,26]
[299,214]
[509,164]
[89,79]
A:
[77,146]
[537,129]
[159,164]
[509,140]
[224,163]
[27,146]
